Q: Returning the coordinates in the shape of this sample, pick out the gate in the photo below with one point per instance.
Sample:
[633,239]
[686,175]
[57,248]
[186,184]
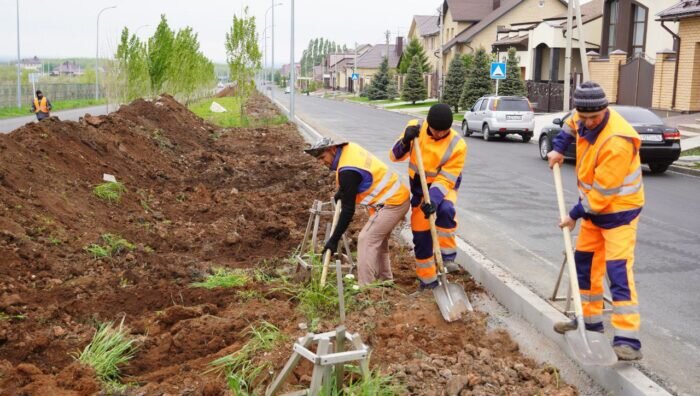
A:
[546,97]
[636,84]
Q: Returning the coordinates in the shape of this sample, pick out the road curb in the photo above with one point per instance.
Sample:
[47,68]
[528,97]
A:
[684,170]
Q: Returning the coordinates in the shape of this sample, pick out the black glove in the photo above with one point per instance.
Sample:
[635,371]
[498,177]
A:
[331,245]
[409,134]
[337,196]
[428,209]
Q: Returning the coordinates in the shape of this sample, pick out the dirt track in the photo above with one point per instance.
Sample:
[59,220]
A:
[197,198]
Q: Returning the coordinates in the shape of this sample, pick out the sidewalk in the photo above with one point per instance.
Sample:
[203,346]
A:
[10,124]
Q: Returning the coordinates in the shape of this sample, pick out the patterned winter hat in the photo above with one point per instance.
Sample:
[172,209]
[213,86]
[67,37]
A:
[589,97]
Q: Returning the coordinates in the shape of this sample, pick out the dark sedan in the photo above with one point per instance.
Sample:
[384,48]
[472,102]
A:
[661,145]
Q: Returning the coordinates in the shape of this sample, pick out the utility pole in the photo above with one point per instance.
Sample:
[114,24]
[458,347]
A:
[19,61]
[582,42]
[293,70]
[97,53]
[441,18]
[272,91]
[567,60]
[354,71]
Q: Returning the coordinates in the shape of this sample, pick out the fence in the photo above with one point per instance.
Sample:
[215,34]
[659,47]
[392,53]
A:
[55,92]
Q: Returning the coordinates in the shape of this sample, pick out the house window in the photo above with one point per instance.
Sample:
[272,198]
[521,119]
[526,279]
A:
[639,23]
[612,25]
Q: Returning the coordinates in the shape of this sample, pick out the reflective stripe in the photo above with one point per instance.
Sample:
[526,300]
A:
[414,168]
[624,190]
[448,153]
[629,190]
[429,264]
[625,309]
[585,185]
[592,297]
[429,280]
[394,188]
[440,187]
[381,186]
[593,319]
[448,176]
[567,129]
[446,234]
[446,251]
[633,334]
[633,176]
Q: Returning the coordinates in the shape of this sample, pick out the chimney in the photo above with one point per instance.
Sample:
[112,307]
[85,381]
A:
[399,45]
[496,4]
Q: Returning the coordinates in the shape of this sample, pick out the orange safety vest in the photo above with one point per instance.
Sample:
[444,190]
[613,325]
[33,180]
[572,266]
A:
[609,170]
[40,106]
[443,159]
[385,187]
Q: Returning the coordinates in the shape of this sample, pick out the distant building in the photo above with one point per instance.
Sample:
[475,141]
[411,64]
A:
[31,63]
[68,68]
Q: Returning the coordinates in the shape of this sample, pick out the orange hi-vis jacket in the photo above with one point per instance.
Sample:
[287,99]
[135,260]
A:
[443,160]
[609,172]
[384,186]
[40,106]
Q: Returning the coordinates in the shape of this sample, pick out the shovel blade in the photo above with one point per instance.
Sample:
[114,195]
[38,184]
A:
[452,301]
[591,348]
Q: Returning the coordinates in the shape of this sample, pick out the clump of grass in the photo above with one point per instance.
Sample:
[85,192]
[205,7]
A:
[110,191]
[240,371]
[223,277]
[110,348]
[113,245]
[5,316]
[375,384]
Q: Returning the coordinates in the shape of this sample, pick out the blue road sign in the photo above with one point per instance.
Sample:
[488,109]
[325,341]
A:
[355,76]
[498,71]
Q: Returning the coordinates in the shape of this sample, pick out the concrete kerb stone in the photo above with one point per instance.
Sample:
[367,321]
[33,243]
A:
[685,170]
[621,379]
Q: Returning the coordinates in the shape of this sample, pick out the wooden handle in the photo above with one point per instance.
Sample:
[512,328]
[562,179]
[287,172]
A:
[426,198]
[327,255]
[570,263]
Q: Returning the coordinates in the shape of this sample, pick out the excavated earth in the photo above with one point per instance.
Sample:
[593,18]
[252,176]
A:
[198,197]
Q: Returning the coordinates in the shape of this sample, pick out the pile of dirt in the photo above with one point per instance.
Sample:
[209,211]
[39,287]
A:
[197,197]
[229,90]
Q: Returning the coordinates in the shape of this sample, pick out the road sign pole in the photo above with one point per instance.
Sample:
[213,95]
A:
[497,81]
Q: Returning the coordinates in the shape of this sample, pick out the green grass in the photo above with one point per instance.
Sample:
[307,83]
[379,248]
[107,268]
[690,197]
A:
[695,151]
[223,277]
[110,191]
[231,118]
[110,348]
[10,112]
[366,100]
[240,371]
[375,384]
[412,106]
[456,117]
[113,245]
[4,316]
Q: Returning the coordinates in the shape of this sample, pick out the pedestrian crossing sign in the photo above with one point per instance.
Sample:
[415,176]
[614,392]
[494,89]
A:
[498,71]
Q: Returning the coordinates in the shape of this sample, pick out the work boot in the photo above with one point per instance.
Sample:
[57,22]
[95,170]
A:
[626,352]
[563,327]
[451,266]
[425,286]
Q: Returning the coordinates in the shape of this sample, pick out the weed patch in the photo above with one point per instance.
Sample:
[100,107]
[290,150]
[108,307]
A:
[223,277]
[113,245]
[110,348]
[110,191]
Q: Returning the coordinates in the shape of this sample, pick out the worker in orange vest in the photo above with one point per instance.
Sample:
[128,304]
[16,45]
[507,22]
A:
[365,180]
[444,154]
[611,198]
[41,106]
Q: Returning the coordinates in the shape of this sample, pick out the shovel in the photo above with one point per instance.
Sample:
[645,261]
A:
[450,297]
[589,347]
[327,255]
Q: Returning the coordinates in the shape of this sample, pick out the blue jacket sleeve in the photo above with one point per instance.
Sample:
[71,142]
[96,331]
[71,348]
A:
[561,142]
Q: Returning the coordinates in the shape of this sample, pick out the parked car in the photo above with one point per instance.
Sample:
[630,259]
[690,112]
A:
[500,116]
[661,144]
[287,90]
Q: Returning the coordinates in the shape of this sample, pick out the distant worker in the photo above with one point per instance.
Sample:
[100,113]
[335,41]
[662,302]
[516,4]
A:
[611,198]
[363,179]
[444,154]
[41,106]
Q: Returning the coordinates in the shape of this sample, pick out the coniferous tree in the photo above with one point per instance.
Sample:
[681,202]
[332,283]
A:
[414,86]
[378,86]
[414,48]
[454,83]
[479,82]
[513,85]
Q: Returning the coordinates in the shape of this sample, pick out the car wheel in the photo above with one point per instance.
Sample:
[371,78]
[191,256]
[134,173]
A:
[544,147]
[465,129]
[526,138]
[486,132]
[658,168]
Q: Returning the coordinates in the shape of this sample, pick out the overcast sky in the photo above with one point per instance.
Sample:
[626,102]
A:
[66,28]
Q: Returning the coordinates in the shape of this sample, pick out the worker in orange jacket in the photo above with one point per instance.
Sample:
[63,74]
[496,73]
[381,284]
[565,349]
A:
[41,106]
[365,180]
[444,153]
[611,198]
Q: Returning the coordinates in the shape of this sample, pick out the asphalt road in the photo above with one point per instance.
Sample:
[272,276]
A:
[507,209]
[10,124]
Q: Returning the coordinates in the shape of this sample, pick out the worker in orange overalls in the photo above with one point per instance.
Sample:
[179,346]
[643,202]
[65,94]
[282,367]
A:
[365,180]
[41,106]
[444,153]
[611,198]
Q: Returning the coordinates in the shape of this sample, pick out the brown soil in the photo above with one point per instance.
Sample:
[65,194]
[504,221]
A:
[197,198]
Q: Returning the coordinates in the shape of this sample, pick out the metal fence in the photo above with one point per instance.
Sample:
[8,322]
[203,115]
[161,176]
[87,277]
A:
[55,92]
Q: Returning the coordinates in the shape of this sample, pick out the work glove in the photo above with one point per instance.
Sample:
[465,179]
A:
[428,209]
[409,134]
[332,245]
[337,196]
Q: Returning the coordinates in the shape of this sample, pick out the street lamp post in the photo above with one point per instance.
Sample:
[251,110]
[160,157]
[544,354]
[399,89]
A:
[139,28]
[19,61]
[292,77]
[97,53]
[272,61]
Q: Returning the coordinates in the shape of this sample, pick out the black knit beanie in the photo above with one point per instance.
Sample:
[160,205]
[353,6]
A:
[589,97]
[440,117]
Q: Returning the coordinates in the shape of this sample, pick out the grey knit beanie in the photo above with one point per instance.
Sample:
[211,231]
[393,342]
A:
[589,97]
[440,117]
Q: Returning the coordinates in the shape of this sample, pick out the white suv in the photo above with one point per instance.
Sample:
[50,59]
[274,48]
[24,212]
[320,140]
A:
[500,116]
